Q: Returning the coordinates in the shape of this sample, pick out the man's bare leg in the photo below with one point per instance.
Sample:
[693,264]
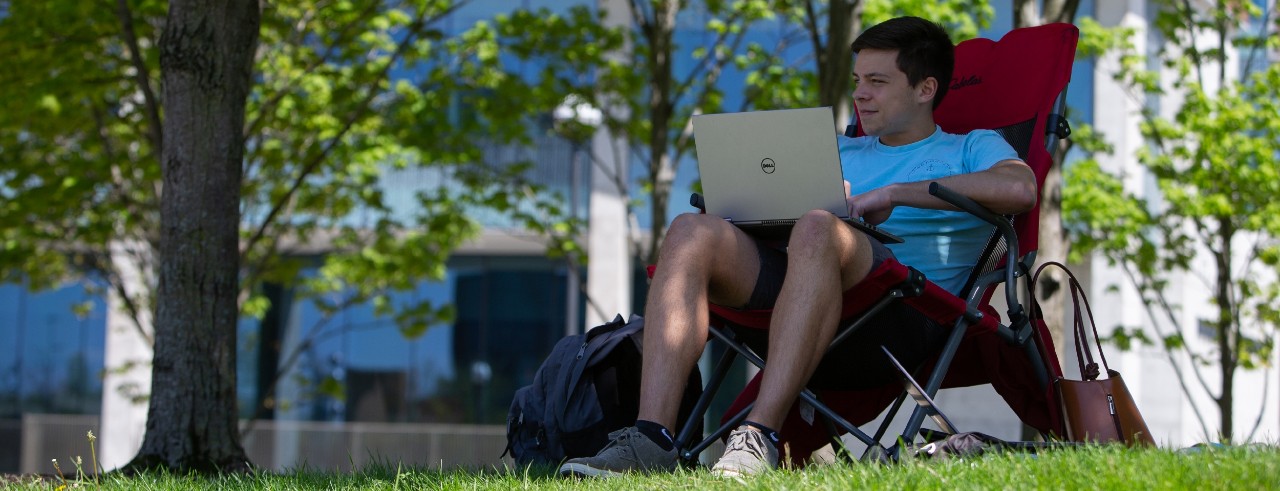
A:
[825,258]
[703,258]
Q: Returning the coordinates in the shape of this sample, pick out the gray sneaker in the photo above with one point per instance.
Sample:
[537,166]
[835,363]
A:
[628,450]
[747,453]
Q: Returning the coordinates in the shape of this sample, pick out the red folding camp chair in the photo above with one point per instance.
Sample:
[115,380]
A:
[1015,86]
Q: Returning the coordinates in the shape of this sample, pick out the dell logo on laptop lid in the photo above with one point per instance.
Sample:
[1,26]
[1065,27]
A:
[768,166]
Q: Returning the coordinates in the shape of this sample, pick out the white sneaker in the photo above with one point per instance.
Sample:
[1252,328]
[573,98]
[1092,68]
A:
[748,453]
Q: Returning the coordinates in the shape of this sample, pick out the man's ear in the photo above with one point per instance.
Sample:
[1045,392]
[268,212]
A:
[926,90]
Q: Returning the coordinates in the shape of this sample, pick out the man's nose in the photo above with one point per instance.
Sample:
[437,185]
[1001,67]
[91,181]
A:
[859,94]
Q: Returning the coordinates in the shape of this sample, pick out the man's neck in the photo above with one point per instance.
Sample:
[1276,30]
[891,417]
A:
[915,133]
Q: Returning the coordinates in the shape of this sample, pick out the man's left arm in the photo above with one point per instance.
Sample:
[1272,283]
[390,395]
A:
[1008,187]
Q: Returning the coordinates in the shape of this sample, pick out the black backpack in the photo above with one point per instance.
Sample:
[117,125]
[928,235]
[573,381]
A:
[588,387]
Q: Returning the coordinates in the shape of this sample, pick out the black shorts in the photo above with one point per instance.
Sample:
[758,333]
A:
[857,362]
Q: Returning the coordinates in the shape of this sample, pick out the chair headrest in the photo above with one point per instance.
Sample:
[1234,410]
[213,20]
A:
[1002,83]
[1011,86]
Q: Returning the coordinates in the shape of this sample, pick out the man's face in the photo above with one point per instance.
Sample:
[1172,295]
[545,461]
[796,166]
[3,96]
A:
[887,104]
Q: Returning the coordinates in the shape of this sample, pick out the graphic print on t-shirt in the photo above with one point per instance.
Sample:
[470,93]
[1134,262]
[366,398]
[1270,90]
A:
[930,169]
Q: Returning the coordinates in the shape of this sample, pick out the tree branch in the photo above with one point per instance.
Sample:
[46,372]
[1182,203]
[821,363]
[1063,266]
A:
[1222,49]
[1177,369]
[614,175]
[712,61]
[1252,257]
[1188,14]
[268,107]
[1060,10]
[640,17]
[313,336]
[117,177]
[778,49]
[811,22]
[116,282]
[1024,13]
[362,108]
[143,75]
[1263,26]
[713,74]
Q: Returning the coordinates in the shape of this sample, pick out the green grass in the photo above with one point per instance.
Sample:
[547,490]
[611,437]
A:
[1092,468]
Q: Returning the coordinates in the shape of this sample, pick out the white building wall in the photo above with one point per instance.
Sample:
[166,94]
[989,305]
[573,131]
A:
[1115,302]
[127,360]
[609,230]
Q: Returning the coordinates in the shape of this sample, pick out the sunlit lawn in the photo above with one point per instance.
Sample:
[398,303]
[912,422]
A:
[1252,467]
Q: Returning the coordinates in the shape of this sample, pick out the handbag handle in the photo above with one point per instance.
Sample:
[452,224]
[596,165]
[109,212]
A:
[1088,370]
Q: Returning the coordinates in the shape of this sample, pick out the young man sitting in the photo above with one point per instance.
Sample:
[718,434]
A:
[902,69]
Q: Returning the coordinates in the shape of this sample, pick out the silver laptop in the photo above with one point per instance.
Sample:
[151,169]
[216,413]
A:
[762,170]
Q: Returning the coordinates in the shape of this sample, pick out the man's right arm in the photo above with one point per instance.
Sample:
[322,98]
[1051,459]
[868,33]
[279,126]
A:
[1008,187]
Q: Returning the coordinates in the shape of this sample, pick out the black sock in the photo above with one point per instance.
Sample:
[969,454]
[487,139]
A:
[657,433]
[768,432]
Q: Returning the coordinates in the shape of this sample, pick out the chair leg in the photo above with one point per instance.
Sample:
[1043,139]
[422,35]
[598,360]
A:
[935,381]
[1035,353]
[884,426]
[1032,347]
[837,444]
[690,454]
[810,398]
[718,376]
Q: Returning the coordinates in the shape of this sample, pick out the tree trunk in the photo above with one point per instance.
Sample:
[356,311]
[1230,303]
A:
[206,58]
[659,32]
[1025,14]
[835,60]
[1052,238]
[1226,335]
[1052,241]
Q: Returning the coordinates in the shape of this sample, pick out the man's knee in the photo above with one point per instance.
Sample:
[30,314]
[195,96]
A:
[695,232]
[708,247]
[816,228]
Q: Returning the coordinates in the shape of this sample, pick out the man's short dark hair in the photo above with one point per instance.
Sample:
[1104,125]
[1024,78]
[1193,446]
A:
[924,49]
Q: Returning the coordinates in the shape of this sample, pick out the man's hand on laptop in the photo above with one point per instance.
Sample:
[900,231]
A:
[874,206]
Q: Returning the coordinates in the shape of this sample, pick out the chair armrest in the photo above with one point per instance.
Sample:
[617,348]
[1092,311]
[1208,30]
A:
[1017,319]
[973,208]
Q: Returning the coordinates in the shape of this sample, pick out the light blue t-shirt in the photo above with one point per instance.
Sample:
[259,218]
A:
[941,244]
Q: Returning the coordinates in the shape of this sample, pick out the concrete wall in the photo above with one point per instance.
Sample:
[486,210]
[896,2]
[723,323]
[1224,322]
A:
[330,447]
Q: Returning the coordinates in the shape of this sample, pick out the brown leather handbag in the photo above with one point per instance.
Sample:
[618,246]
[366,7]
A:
[1094,410]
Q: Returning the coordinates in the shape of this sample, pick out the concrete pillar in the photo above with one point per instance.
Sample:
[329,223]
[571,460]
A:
[289,394]
[127,358]
[609,242]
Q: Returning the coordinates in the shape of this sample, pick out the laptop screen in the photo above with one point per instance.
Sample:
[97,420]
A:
[769,165]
